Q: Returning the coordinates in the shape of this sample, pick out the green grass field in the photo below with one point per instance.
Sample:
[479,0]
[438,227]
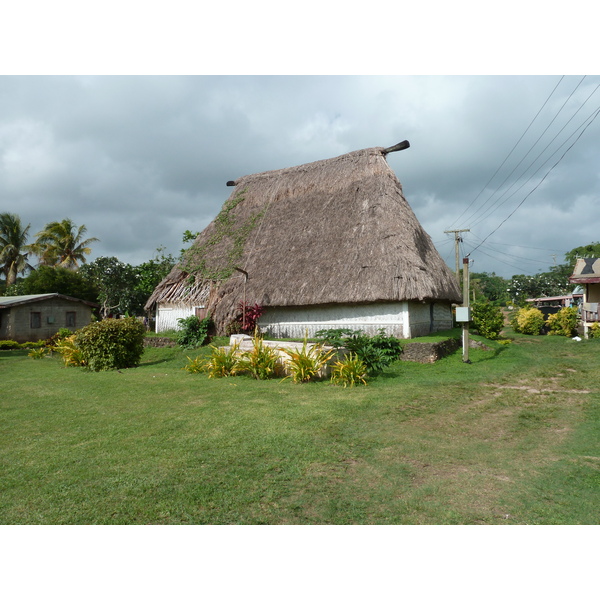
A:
[513,438]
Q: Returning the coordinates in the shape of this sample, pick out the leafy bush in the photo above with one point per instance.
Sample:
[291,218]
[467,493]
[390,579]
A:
[193,331]
[9,345]
[349,371]
[487,319]
[564,322]
[377,352]
[111,343]
[223,362]
[594,331]
[308,363]
[262,362]
[335,337]
[528,320]
[60,335]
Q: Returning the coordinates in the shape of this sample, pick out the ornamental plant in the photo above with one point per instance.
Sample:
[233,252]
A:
[349,371]
[564,322]
[262,362]
[111,343]
[223,362]
[487,319]
[308,363]
[69,351]
[528,320]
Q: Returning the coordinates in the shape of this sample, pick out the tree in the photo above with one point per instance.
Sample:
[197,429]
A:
[152,272]
[491,287]
[124,288]
[115,282]
[590,251]
[61,244]
[13,247]
[59,280]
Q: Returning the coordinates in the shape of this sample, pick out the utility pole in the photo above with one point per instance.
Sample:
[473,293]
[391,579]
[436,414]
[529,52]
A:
[457,239]
[465,336]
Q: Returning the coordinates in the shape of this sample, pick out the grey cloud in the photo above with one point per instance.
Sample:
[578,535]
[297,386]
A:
[140,159]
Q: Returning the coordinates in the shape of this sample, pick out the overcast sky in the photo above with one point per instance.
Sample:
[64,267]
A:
[141,159]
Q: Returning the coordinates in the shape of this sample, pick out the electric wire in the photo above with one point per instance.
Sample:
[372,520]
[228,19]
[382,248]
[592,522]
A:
[509,154]
[527,154]
[498,204]
[541,181]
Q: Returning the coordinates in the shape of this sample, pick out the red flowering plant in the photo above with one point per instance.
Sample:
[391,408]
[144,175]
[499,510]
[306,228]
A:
[248,317]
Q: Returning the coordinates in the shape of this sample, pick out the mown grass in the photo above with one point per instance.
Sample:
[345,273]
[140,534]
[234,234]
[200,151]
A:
[512,438]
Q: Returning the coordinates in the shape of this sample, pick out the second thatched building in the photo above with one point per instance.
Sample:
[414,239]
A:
[330,244]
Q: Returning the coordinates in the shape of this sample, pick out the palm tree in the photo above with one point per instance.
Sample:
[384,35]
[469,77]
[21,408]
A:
[61,244]
[13,248]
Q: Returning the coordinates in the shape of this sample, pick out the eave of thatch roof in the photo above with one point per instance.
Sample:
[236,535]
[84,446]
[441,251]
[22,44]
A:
[333,231]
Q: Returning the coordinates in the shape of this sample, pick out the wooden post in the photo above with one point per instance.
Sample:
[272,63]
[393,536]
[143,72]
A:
[457,240]
[244,301]
[465,332]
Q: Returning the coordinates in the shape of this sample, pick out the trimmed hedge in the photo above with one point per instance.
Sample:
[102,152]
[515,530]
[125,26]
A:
[111,344]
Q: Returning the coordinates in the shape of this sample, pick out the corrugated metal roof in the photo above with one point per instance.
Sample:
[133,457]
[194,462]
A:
[8,301]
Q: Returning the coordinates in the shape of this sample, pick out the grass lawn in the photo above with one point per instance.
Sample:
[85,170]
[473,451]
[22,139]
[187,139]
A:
[513,438]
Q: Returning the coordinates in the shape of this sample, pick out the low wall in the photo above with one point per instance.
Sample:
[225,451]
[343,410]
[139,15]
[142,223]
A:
[424,352]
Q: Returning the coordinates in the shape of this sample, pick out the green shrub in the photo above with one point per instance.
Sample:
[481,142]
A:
[193,331]
[594,331]
[308,363]
[38,344]
[377,352]
[564,322]
[335,337]
[487,319]
[528,320]
[223,362]
[111,343]
[9,345]
[349,371]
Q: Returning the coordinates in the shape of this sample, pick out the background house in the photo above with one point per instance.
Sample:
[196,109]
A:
[328,244]
[40,316]
[587,274]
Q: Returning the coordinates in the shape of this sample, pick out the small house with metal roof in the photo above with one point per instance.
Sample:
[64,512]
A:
[39,316]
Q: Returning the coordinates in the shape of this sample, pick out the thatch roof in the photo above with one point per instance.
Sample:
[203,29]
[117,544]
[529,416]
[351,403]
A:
[329,232]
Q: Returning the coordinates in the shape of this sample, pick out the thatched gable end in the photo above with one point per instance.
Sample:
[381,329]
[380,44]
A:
[336,231]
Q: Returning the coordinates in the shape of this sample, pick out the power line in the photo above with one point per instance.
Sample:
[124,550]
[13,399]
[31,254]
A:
[526,155]
[491,210]
[541,181]
[512,150]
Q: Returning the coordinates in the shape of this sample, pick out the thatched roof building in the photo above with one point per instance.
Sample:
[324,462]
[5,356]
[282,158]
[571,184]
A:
[331,233]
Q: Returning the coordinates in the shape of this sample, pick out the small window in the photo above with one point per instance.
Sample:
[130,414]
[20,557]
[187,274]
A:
[35,320]
[71,319]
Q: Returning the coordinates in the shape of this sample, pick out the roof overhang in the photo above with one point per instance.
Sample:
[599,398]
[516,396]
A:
[584,279]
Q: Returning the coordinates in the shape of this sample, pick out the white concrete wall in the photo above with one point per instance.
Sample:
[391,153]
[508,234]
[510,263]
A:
[166,316]
[421,322]
[294,322]
[401,319]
